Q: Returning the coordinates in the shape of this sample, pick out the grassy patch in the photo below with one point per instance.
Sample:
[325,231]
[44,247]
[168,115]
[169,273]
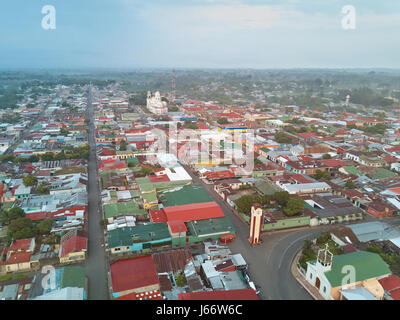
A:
[70,171]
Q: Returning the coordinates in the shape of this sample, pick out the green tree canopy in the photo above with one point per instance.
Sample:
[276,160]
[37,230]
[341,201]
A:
[281,197]
[294,206]
[350,184]
[244,204]
[48,156]
[280,137]
[30,180]
[44,226]
[21,228]
[223,121]
[122,145]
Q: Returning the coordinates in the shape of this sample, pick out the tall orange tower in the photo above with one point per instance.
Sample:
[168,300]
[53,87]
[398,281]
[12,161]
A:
[255,224]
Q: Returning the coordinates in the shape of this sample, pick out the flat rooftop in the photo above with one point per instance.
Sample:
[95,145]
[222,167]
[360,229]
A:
[193,193]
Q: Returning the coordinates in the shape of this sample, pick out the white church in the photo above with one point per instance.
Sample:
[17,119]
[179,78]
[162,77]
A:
[155,104]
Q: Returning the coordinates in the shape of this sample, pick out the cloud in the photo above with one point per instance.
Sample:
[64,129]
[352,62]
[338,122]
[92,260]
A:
[219,16]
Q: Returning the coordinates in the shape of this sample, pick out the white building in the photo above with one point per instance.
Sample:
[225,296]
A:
[155,104]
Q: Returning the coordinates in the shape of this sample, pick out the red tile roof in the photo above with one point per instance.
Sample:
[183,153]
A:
[146,295]
[307,135]
[229,115]
[133,273]
[301,179]
[177,226]
[194,102]
[158,216]
[390,159]
[395,190]
[391,282]
[74,244]
[194,211]
[394,149]
[44,173]
[159,178]
[19,257]
[240,294]
[219,174]
[21,245]
[395,294]
[333,163]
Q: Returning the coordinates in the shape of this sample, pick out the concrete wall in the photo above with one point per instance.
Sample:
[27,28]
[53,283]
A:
[287,223]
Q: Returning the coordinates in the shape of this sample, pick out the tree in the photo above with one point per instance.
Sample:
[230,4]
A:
[146,171]
[281,197]
[244,204]
[44,226]
[30,181]
[326,156]
[223,121]
[190,125]
[180,280]
[33,158]
[48,156]
[64,132]
[43,189]
[319,174]
[350,184]
[280,137]
[323,238]
[21,228]
[11,214]
[294,206]
[15,213]
[122,145]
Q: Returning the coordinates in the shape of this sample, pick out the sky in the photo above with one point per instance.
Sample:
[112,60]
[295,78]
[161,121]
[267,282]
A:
[128,34]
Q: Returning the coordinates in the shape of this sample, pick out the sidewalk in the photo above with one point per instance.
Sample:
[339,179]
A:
[302,280]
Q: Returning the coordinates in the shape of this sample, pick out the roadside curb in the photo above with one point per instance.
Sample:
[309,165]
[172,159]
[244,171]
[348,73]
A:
[300,278]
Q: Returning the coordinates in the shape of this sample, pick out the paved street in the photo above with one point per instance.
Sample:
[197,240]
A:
[270,262]
[96,262]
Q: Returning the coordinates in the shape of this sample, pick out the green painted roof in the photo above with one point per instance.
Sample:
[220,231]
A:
[367,265]
[142,233]
[285,118]
[210,226]
[266,188]
[113,194]
[352,170]
[150,197]
[145,185]
[133,160]
[134,193]
[193,193]
[122,209]
[73,276]
[167,185]
[382,173]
